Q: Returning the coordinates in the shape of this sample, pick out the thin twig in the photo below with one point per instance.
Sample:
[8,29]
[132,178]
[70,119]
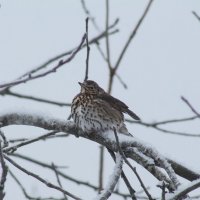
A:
[155,125]
[107,36]
[5,141]
[87,12]
[15,147]
[58,65]
[25,192]
[4,172]
[88,50]
[58,179]
[48,184]
[102,150]
[48,166]
[190,106]
[196,15]
[133,33]
[92,41]
[101,168]
[14,94]
[163,187]
[106,60]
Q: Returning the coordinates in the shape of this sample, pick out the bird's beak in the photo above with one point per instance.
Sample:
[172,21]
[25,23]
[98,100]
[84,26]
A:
[81,84]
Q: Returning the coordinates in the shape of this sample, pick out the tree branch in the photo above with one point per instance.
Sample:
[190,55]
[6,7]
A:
[69,127]
[190,106]
[58,65]
[15,147]
[185,190]
[88,51]
[48,184]
[106,193]
[196,15]
[38,99]
[3,174]
[133,33]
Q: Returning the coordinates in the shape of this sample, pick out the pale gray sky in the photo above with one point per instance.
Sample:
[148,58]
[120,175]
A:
[161,64]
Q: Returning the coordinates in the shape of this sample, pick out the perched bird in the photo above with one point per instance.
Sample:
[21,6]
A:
[93,109]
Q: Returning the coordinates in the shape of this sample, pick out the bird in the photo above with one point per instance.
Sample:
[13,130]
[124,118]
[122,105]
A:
[94,110]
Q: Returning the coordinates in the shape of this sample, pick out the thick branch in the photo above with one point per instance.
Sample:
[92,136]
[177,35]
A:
[105,194]
[69,127]
[185,190]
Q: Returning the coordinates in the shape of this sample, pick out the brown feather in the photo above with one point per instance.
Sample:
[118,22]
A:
[117,104]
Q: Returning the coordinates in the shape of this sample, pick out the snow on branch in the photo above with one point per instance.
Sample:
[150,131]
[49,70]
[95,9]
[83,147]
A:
[184,190]
[113,180]
[133,148]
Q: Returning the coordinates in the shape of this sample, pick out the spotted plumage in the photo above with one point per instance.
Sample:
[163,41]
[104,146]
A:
[95,110]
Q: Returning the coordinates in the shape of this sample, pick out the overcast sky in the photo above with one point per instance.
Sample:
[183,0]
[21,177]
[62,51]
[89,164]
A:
[161,64]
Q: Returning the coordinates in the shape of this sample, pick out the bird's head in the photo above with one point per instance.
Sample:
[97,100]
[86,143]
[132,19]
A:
[90,87]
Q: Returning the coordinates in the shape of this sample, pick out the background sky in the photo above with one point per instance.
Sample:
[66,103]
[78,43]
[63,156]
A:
[161,64]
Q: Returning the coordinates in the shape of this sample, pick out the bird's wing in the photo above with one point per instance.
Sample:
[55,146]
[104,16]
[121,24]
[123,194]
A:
[107,110]
[117,104]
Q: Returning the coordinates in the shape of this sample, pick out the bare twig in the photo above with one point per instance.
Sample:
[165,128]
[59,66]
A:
[48,166]
[190,106]
[48,184]
[14,94]
[102,150]
[40,163]
[5,141]
[3,173]
[26,76]
[196,15]
[163,187]
[58,179]
[107,36]
[88,50]
[87,12]
[25,192]
[58,65]
[15,147]
[101,168]
[106,60]
[155,125]
[133,33]
[92,41]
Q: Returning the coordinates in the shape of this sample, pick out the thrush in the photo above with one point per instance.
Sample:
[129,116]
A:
[93,109]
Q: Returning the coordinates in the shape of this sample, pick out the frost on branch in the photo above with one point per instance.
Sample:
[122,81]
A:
[113,179]
[184,190]
[144,154]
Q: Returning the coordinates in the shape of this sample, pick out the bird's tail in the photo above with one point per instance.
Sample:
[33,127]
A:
[132,114]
